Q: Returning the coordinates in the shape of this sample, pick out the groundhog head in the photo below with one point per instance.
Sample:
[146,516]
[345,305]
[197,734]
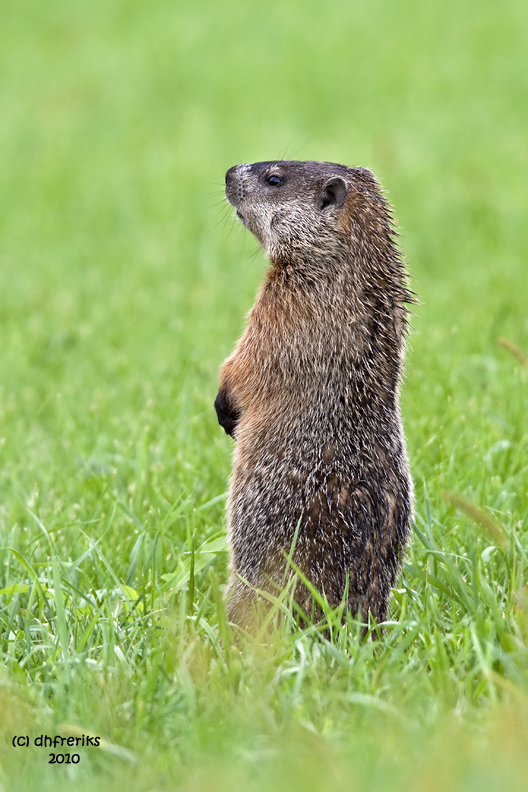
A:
[298,209]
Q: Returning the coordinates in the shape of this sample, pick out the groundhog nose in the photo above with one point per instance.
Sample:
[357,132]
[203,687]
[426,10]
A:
[230,175]
[238,174]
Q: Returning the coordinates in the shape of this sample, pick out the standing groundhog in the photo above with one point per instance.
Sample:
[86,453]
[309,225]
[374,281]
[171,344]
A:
[311,392]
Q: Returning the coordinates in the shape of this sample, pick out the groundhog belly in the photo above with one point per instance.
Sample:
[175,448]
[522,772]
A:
[338,524]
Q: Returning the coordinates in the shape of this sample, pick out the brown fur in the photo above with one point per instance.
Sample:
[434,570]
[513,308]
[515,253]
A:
[311,392]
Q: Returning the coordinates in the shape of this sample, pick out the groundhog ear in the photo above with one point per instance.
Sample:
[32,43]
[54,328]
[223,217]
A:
[333,193]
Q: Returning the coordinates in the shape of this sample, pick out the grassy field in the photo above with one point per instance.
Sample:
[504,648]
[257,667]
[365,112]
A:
[123,285]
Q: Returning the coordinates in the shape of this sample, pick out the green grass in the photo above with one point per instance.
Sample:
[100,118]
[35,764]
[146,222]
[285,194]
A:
[123,285]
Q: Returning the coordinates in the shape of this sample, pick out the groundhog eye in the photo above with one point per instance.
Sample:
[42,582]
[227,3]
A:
[274,181]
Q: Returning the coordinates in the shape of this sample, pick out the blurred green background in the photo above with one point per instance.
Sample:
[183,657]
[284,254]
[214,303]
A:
[121,271]
[124,280]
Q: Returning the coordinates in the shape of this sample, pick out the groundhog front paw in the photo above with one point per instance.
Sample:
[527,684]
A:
[228,414]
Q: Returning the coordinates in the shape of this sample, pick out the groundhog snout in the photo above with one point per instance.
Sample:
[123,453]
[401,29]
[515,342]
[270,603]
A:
[236,174]
[230,176]
[235,184]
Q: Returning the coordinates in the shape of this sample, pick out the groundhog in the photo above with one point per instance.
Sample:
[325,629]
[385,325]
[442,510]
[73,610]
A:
[311,393]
